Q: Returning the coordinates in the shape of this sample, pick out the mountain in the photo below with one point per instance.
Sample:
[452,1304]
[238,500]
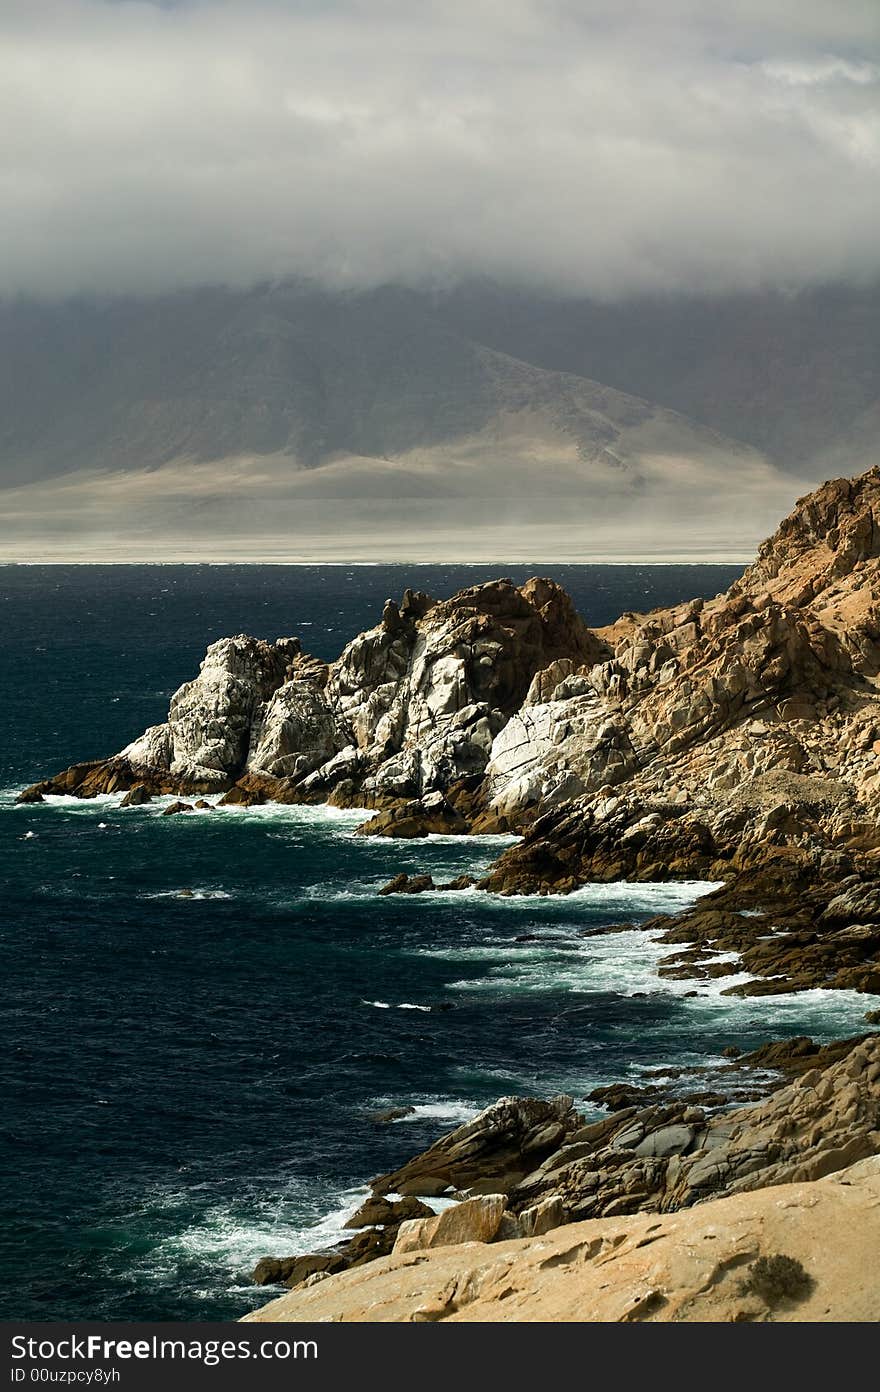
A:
[288,422]
[790,374]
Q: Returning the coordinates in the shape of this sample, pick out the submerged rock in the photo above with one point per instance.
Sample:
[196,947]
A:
[391,1114]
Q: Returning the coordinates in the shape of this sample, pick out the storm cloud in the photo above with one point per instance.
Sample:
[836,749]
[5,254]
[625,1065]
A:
[602,147]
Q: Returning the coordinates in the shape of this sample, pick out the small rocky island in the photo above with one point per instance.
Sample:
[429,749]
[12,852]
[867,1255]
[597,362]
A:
[735,739]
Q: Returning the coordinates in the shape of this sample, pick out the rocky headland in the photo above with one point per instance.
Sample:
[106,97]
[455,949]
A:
[735,739]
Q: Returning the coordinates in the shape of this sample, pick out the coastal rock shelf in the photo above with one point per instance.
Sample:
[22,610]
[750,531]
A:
[523,1168]
[799,1252]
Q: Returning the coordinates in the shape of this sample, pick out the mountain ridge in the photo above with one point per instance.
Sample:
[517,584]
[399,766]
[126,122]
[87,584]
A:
[217,424]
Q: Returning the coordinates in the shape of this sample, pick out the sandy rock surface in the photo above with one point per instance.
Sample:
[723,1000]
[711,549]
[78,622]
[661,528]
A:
[694,1265]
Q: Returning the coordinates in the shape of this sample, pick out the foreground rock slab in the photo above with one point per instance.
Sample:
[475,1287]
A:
[523,1167]
[697,1265]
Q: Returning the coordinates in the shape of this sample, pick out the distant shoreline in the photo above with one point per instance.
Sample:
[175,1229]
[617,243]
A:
[743,558]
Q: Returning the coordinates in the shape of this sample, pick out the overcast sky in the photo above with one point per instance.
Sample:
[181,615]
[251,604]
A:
[597,146]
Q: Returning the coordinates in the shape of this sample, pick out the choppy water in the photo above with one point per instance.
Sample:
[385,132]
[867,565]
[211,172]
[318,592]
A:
[187,1079]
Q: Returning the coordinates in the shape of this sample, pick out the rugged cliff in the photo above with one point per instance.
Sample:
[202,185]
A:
[411,707]
[736,739]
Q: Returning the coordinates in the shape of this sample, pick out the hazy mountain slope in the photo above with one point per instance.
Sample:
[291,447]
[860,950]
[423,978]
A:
[212,375]
[301,421]
[787,373]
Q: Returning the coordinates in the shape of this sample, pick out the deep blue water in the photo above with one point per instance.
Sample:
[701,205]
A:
[187,1080]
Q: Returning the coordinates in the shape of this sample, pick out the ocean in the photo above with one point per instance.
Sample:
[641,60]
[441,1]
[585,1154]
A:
[200,1015]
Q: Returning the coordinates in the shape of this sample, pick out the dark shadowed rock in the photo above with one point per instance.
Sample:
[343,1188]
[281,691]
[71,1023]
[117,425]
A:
[137,796]
[408,884]
[289,1271]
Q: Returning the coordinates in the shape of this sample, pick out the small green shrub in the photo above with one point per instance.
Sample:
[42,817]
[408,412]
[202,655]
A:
[779,1278]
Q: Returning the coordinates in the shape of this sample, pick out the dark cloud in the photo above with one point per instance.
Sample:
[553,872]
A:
[600,146]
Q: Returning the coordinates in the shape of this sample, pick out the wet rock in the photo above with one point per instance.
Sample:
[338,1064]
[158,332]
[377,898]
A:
[377,1211]
[289,1271]
[408,884]
[488,1148]
[137,796]
[431,815]
[368,1244]
[33,794]
[391,1114]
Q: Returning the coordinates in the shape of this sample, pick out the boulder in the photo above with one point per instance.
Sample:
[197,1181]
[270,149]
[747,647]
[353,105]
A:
[473,1220]
[290,1271]
[408,884]
[377,1211]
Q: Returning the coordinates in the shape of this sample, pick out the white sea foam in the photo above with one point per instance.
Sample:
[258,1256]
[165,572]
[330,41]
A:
[627,964]
[190,894]
[402,1005]
[444,1109]
[494,840]
[66,802]
[319,816]
[224,1239]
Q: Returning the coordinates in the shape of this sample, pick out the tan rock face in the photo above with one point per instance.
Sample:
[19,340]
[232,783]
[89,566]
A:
[523,1168]
[664,1158]
[701,702]
[474,1220]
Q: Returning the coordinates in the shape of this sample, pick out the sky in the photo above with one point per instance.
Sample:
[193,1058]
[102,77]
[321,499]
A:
[600,147]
